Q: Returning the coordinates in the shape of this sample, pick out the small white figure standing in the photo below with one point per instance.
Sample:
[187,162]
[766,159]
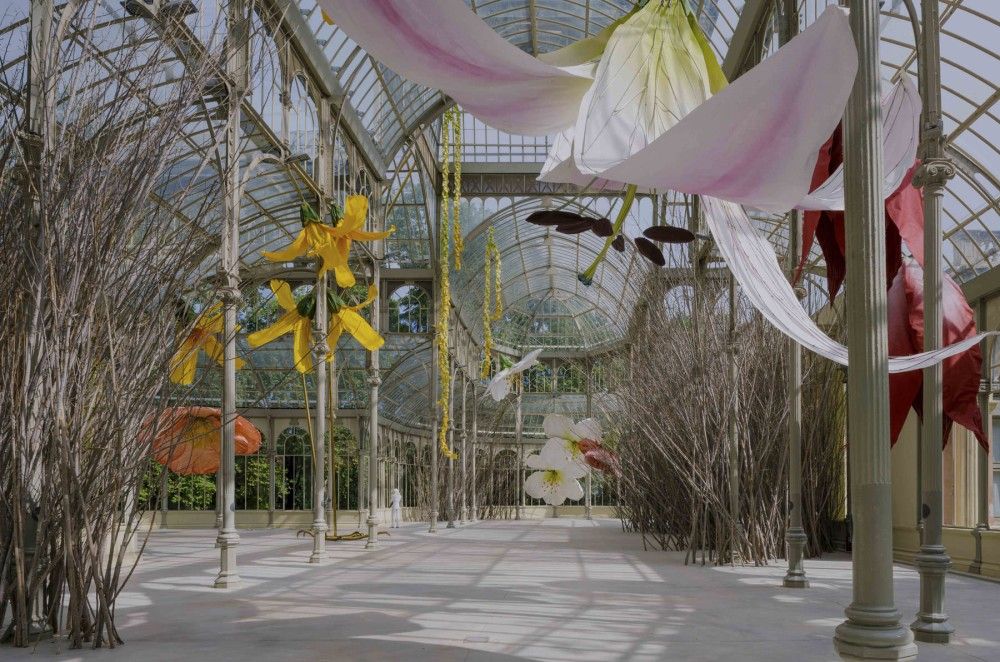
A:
[397,498]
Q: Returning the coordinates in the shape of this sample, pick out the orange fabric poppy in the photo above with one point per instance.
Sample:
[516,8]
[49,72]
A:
[188,439]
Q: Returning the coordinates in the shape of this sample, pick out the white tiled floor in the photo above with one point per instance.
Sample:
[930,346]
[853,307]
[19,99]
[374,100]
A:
[558,589]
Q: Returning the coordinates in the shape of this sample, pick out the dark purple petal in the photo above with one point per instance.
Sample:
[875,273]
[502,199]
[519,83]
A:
[552,217]
[650,251]
[603,228]
[575,227]
[669,234]
[619,243]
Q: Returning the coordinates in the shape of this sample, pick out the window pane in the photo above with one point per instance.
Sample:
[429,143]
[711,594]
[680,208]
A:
[996,494]
[996,437]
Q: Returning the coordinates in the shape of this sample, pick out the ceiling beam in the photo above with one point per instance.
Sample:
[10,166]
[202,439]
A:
[748,38]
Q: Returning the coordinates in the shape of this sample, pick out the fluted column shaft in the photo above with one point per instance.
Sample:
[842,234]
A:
[320,351]
[932,562]
[872,629]
[374,381]
[795,535]
[451,444]
[519,436]
[434,387]
[228,538]
[984,470]
[588,508]
[464,510]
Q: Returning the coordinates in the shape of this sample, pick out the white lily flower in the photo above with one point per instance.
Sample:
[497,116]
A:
[556,479]
[499,386]
[565,436]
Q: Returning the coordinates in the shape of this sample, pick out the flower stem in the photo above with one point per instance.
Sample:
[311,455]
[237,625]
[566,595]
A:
[587,277]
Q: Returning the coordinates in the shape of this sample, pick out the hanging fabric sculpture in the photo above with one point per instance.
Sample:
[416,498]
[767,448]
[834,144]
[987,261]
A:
[904,223]
[202,336]
[754,142]
[960,373]
[298,320]
[572,450]
[444,45]
[824,219]
[580,442]
[499,387]
[187,439]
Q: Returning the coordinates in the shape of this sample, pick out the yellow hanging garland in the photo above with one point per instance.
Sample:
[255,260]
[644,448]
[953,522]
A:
[457,195]
[444,307]
[492,301]
[497,293]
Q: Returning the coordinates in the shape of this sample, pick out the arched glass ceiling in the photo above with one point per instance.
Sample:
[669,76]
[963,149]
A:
[970,29]
[539,272]
[391,108]
[970,32]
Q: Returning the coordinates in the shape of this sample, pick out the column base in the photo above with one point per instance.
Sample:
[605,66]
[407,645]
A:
[372,533]
[932,624]
[795,545]
[319,543]
[228,575]
[589,514]
[926,632]
[873,634]
[434,519]
[451,524]
[795,582]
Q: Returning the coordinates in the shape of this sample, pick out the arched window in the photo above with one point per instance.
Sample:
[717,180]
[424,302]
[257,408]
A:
[570,379]
[409,310]
[293,457]
[538,379]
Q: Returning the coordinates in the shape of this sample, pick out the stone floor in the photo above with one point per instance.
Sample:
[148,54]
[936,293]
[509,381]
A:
[557,589]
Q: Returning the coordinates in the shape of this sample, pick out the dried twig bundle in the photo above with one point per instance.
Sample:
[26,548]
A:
[96,267]
[685,415]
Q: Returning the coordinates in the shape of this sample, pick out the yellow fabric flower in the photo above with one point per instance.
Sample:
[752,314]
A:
[348,319]
[184,362]
[313,241]
[350,229]
[297,320]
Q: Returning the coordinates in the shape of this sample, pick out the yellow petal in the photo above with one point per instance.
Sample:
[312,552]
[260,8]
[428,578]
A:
[283,293]
[330,257]
[296,249]
[316,236]
[372,293]
[343,273]
[184,363]
[301,345]
[214,349]
[361,330]
[362,235]
[211,319]
[333,337]
[355,210]
[285,324]
[716,77]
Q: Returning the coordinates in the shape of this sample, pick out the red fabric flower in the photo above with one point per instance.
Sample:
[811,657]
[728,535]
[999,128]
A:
[904,216]
[960,374]
[187,439]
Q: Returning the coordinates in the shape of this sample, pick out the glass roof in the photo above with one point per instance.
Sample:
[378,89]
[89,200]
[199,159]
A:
[546,305]
[539,273]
